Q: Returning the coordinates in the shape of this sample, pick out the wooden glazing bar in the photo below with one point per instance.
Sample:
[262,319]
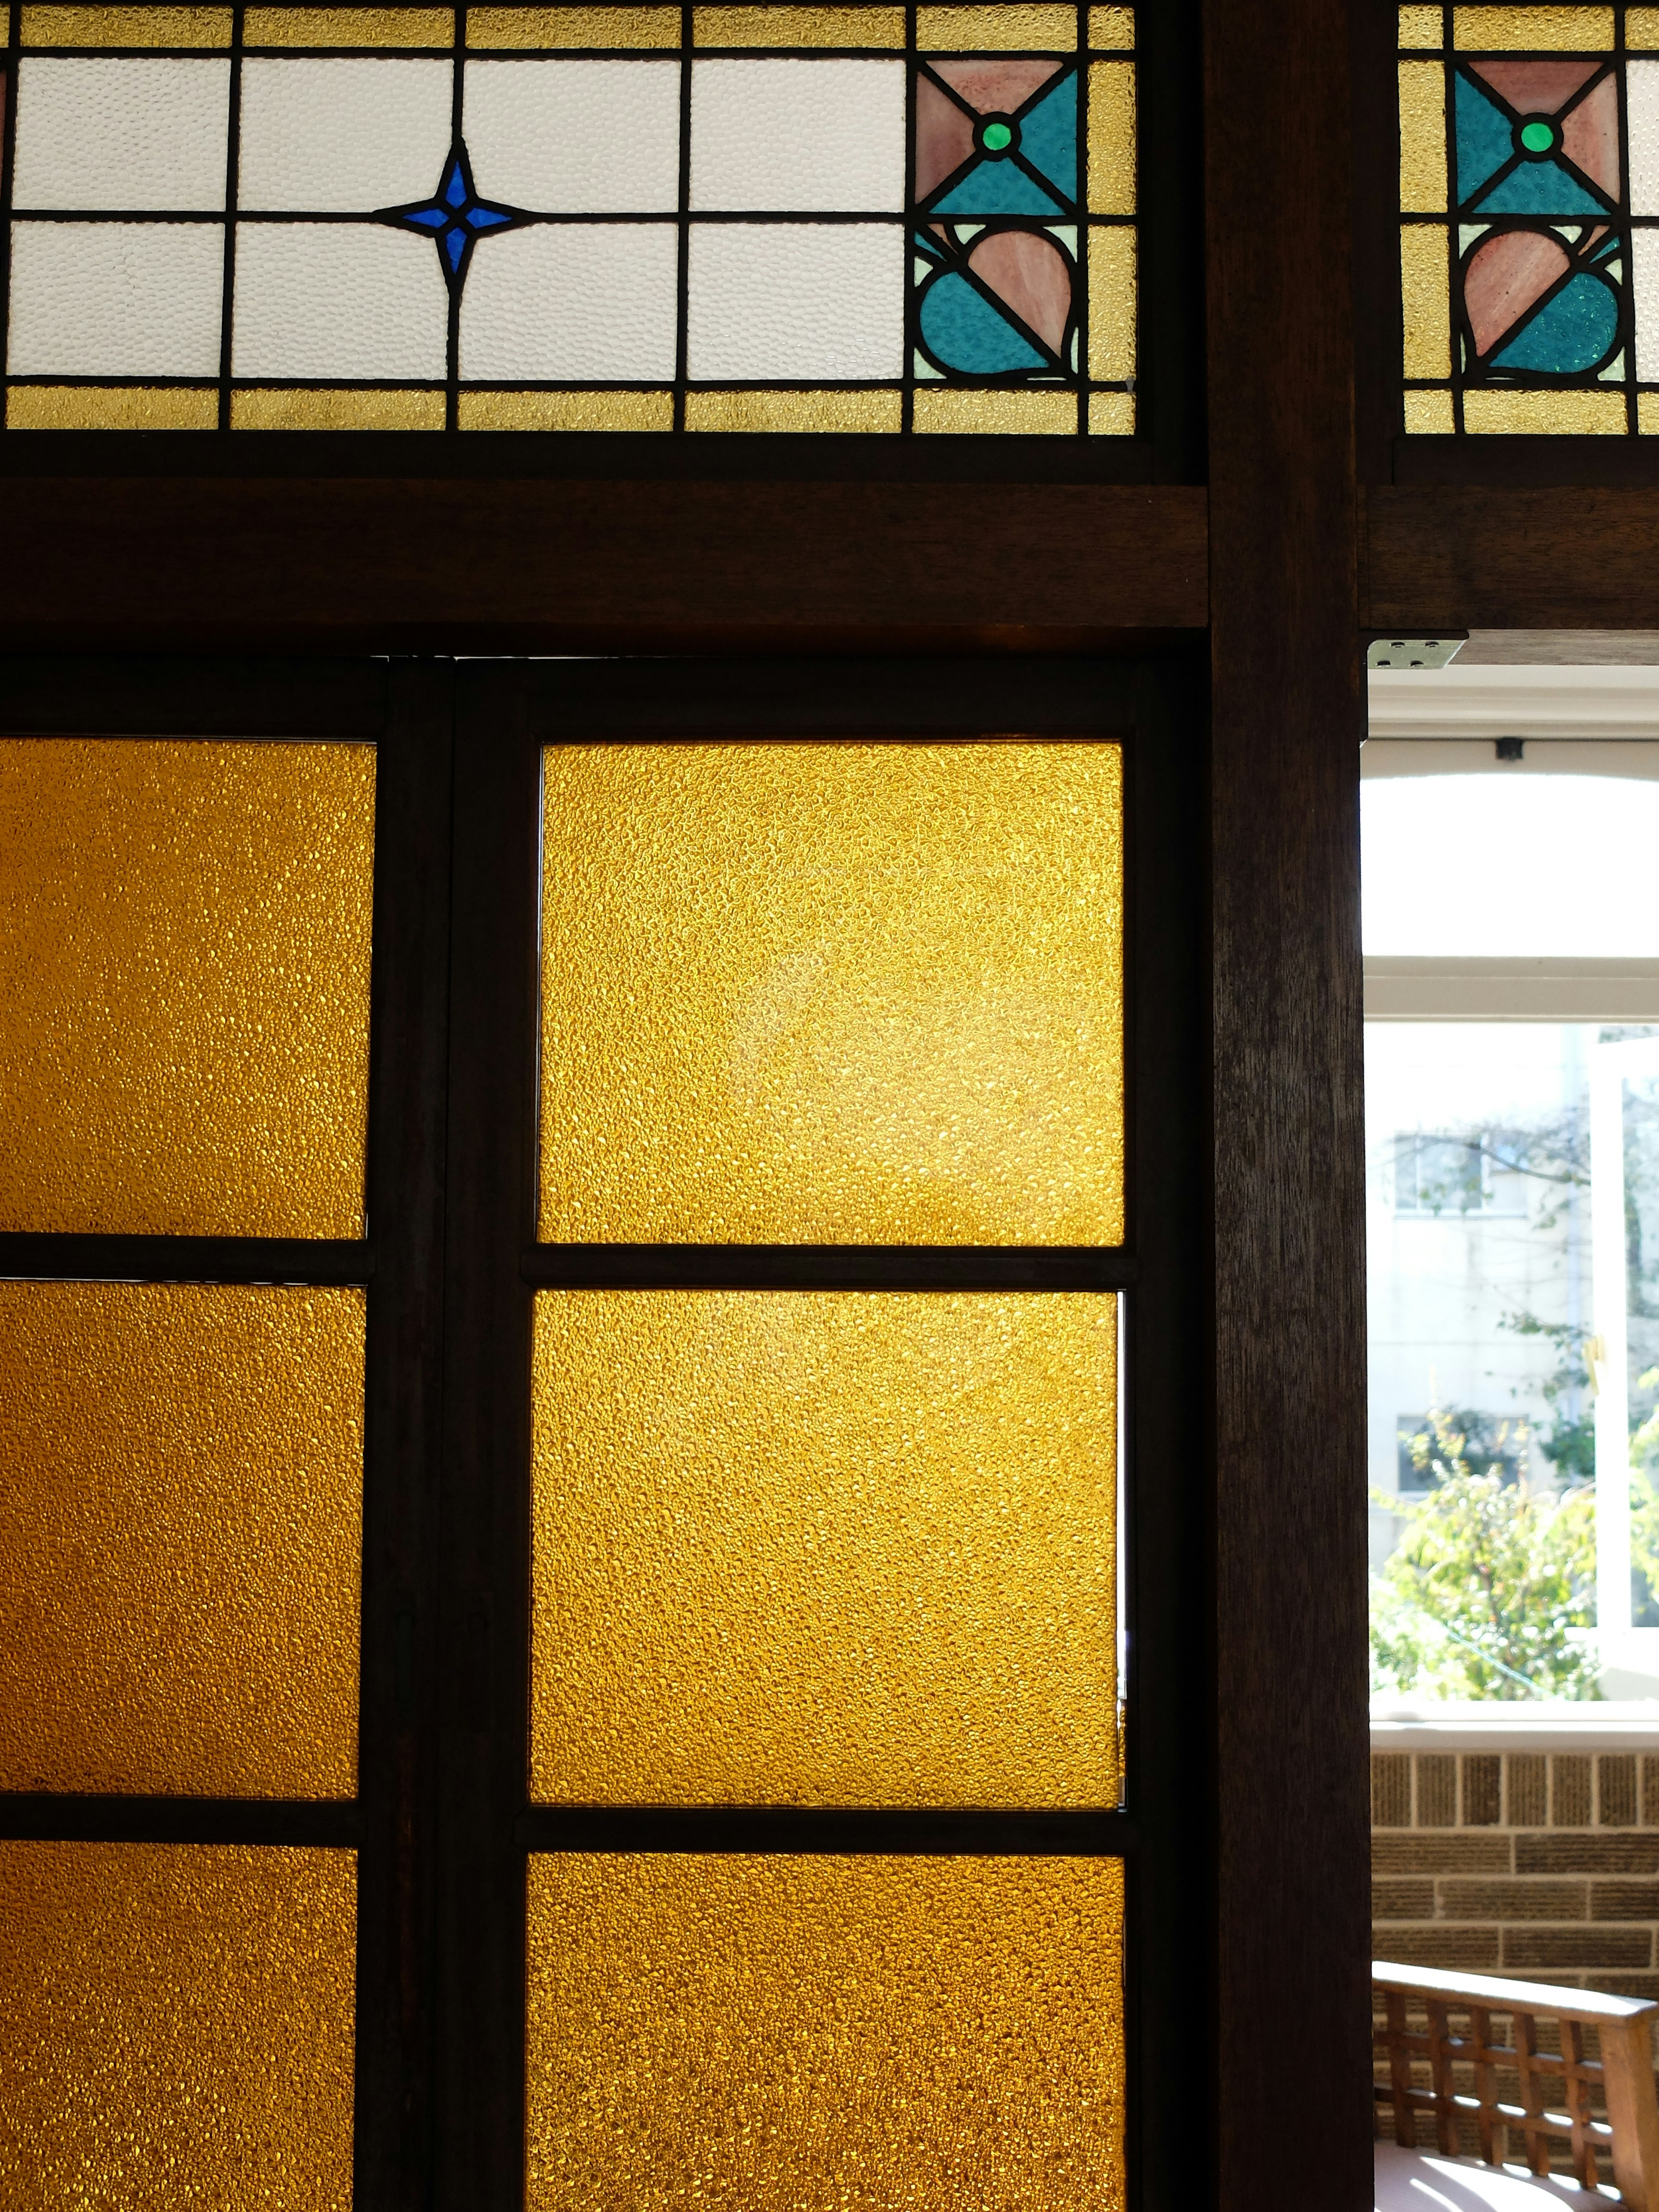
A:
[403,1434]
[33,1257]
[158,694]
[811,1829]
[483,1727]
[823,1268]
[53,1818]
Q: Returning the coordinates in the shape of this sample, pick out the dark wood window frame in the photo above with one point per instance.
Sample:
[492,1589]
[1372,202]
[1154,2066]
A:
[442,1824]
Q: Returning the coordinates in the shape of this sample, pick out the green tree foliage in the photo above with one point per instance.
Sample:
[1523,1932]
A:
[1483,1596]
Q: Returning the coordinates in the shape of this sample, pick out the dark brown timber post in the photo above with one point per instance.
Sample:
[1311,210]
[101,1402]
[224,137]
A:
[1292,1841]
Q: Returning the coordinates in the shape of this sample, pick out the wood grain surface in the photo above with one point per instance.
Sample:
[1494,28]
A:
[1478,558]
[448,565]
[1289,1364]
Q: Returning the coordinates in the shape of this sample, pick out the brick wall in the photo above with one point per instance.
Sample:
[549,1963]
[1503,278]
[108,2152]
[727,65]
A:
[1543,1865]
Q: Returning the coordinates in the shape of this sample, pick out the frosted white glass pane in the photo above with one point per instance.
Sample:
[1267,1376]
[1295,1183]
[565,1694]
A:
[576,138]
[796,299]
[783,137]
[343,137]
[1641,99]
[571,300]
[1644,290]
[338,298]
[121,135]
[116,298]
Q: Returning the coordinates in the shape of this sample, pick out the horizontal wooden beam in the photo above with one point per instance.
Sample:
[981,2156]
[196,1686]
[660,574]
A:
[1465,557]
[481,566]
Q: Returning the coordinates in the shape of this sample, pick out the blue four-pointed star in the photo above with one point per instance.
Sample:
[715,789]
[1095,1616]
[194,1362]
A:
[455,218]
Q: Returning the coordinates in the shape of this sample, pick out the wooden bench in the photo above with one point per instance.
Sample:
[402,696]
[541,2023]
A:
[1624,2071]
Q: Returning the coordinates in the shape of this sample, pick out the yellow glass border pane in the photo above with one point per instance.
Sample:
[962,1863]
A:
[126,26]
[1647,412]
[832,412]
[956,410]
[793,27]
[274,407]
[902,1505]
[1641,30]
[1564,414]
[1112,138]
[1424,254]
[1019,26]
[1111,414]
[565,410]
[110,407]
[177,2025]
[1112,29]
[1422,137]
[1112,304]
[426,28]
[1532,30]
[1422,27]
[181,1538]
[1430,414]
[521,29]
[737,2031]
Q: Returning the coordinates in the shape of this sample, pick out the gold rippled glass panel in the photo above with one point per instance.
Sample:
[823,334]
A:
[184,986]
[176,2026]
[824,1546]
[833,993]
[737,2031]
[180,1534]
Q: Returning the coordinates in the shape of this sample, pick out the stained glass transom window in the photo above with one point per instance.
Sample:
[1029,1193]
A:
[605,218]
[1530,219]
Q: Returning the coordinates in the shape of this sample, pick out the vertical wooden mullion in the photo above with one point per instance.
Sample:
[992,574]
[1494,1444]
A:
[485,1517]
[1168,2132]
[408,1078]
[1292,1928]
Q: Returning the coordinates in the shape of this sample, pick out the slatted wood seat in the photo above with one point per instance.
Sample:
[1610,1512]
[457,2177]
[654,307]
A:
[1623,2073]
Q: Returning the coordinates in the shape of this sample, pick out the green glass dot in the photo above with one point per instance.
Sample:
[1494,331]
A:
[1538,137]
[997,138]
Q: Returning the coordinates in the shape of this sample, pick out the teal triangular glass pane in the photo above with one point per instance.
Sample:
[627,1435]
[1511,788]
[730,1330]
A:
[1568,335]
[997,188]
[1048,136]
[1539,188]
[1484,139]
[929,246]
[961,328]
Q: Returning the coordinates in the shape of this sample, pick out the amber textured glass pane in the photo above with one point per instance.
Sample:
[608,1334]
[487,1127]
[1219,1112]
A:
[1422,137]
[743,2033]
[184,986]
[820,1548]
[864,993]
[180,1530]
[1426,317]
[176,2027]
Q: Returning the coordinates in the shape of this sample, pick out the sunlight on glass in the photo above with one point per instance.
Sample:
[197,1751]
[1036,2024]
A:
[1552,867]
